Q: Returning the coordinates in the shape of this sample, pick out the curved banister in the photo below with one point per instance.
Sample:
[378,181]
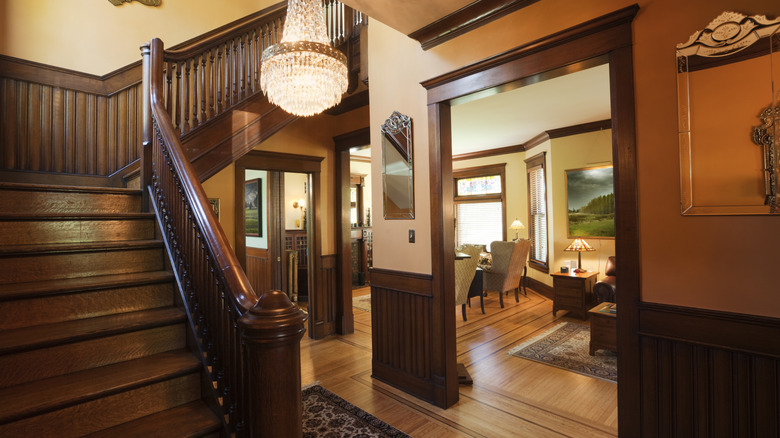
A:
[249,343]
[244,296]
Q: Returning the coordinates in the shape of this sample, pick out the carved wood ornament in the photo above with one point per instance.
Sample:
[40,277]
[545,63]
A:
[143,2]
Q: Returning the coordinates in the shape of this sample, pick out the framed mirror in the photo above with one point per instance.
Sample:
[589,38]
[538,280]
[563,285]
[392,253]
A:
[398,167]
[728,76]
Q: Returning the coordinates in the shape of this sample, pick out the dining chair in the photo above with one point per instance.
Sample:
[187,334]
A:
[506,270]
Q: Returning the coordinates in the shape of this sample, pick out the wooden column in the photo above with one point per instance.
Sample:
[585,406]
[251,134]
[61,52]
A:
[146,144]
[271,333]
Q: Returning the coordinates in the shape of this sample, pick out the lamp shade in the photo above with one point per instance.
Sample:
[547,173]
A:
[516,225]
[579,245]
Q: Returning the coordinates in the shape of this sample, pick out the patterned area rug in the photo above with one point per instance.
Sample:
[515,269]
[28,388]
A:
[566,346]
[327,415]
[362,302]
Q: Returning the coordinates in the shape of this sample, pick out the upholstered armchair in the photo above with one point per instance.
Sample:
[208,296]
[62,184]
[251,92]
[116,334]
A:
[506,270]
[464,274]
[604,290]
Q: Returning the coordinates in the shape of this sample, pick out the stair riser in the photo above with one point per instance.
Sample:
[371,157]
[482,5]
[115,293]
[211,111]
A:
[29,232]
[48,266]
[67,307]
[99,414]
[67,358]
[53,203]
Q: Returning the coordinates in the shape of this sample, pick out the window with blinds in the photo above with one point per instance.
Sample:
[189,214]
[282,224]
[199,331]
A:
[479,223]
[537,212]
[479,204]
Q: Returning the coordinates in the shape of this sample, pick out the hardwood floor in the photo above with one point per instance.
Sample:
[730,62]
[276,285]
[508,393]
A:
[509,397]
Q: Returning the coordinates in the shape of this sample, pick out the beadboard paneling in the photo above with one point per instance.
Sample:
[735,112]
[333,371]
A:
[401,305]
[59,121]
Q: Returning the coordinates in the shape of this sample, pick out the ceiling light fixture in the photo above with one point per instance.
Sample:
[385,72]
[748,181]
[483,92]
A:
[303,73]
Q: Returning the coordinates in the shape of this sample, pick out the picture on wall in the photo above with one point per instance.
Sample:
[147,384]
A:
[214,203]
[253,224]
[590,199]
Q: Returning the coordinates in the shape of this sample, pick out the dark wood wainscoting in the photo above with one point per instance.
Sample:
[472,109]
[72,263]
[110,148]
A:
[707,373]
[325,286]
[65,122]
[401,305]
[258,269]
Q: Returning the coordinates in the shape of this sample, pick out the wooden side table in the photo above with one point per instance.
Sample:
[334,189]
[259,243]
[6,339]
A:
[573,292]
[603,328]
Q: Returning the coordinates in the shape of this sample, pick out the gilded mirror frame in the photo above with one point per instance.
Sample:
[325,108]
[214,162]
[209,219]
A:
[397,167]
[718,178]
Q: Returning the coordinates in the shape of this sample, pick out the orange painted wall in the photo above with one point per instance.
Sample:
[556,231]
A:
[725,102]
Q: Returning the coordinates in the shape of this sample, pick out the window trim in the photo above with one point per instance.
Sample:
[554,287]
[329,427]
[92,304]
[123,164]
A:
[472,172]
[531,163]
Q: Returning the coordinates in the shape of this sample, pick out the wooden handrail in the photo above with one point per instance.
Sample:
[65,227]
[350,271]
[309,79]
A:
[208,77]
[235,329]
[250,344]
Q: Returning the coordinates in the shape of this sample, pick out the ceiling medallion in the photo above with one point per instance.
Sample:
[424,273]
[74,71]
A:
[303,74]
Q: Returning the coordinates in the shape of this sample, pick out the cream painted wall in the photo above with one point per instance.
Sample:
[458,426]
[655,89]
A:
[568,153]
[362,168]
[396,74]
[94,36]
[294,191]
[733,272]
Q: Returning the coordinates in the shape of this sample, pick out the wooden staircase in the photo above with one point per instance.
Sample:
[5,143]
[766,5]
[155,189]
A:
[92,338]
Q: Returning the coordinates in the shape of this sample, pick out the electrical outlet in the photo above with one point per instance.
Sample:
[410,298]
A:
[411,236]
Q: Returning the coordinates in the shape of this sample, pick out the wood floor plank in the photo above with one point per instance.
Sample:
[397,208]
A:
[510,396]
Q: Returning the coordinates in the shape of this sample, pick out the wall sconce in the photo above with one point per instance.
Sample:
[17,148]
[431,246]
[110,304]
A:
[301,203]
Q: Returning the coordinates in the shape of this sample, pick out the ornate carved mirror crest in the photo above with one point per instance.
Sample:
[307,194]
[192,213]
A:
[727,76]
[398,167]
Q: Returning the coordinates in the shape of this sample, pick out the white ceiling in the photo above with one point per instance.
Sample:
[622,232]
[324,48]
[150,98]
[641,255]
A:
[516,116]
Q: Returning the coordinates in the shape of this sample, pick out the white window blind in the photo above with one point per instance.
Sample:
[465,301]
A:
[479,222]
[538,213]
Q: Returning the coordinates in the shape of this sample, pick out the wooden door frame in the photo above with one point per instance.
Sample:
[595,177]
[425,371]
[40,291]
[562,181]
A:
[319,327]
[345,322]
[608,35]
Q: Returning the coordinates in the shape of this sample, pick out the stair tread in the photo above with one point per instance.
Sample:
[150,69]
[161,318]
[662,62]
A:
[44,335]
[75,247]
[189,420]
[65,188]
[34,398]
[80,284]
[74,216]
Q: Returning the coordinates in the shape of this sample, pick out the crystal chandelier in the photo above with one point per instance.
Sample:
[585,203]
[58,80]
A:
[303,73]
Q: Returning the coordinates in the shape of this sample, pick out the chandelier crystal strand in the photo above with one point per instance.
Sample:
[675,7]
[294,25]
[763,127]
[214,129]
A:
[303,74]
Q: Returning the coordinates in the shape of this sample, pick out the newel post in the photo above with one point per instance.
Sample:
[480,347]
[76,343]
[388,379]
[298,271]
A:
[146,145]
[271,333]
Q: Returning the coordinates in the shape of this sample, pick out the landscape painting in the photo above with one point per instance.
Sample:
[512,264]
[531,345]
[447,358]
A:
[252,200]
[590,198]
